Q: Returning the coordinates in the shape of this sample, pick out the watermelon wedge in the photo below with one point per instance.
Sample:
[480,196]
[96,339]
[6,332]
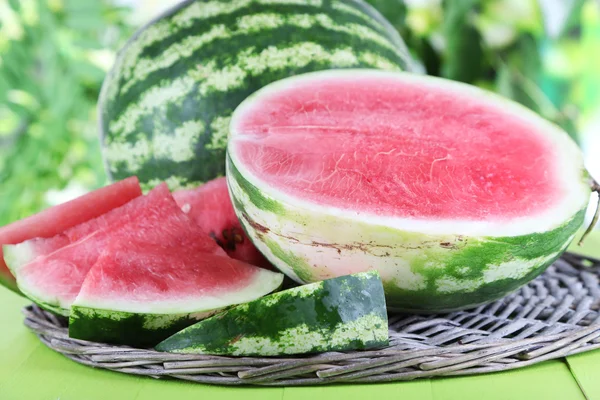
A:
[210,206]
[138,295]
[57,219]
[455,195]
[53,280]
[339,314]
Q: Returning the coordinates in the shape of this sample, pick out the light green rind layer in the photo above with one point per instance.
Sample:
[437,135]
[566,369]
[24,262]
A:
[16,255]
[165,106]
[420,272]
[345,313]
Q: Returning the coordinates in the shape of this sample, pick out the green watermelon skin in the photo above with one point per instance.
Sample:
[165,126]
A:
[165,106]
[141,330]
[340,314]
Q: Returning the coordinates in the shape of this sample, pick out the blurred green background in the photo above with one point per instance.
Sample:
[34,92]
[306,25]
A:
[54,55]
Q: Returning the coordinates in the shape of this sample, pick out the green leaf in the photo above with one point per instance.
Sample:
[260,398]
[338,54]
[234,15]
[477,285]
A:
[464,55]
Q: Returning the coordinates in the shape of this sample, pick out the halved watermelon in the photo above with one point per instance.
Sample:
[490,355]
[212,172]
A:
[57,219]
[138,295]
[455,195]
[210,206]
[53,280]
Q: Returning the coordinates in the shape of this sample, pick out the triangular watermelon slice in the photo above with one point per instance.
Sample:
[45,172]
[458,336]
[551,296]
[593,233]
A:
[57,219]
[53,280]
[138,294]
[24,252]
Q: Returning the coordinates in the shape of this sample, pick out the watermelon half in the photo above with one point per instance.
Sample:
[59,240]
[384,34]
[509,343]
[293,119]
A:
[165,107]
[57,219]
[139,294]
[53,279]
[210,206]
[455,195]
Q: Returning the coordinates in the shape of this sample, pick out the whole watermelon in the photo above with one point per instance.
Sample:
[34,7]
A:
[165,106]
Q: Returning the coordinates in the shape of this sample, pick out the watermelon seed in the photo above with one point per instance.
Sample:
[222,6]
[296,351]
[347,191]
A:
[238,238]
[214,237]
[230,236]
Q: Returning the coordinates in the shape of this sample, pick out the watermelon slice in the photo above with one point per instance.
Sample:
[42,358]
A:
[340,314]
[57,219]
[138,295]
[53,280]
[457,196]
[210,206]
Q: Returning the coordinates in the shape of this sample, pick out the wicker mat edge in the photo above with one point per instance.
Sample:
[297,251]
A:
[565,327]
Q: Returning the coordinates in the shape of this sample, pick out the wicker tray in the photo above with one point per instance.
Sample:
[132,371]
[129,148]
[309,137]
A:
[555,315]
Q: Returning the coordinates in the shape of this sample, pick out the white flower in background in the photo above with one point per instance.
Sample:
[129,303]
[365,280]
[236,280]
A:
[145,10]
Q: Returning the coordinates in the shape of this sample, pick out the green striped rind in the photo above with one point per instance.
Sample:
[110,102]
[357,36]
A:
[420,272]
[165,106]
[133,329]
[345,313]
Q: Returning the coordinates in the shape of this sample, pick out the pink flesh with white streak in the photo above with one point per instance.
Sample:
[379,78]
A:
[393,148]
[139,273]
[154,219]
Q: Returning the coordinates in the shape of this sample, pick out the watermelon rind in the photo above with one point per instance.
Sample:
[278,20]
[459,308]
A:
[426,265]
[17,255]
[340,314]
[165,106]
[146,324]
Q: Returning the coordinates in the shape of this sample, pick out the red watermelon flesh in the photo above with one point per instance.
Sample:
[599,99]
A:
[26,252]
[154,278]
[397,150]
[54,280]
[210,206]
[55,220]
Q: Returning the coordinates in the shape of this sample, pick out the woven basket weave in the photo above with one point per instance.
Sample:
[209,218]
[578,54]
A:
[555,315]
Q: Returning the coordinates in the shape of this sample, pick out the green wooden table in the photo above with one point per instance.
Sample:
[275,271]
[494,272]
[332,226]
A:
[30,371]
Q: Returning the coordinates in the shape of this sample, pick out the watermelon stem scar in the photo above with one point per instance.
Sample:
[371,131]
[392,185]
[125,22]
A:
[595,188]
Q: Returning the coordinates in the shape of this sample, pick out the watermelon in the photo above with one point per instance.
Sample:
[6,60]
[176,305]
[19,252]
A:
[455,195]
[165,106]
[210,206]
[138,294]
[340,314]
[53,280]
[57,219]
[23,253]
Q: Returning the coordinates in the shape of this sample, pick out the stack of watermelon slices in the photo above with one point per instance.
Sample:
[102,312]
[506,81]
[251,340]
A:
[135,274]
